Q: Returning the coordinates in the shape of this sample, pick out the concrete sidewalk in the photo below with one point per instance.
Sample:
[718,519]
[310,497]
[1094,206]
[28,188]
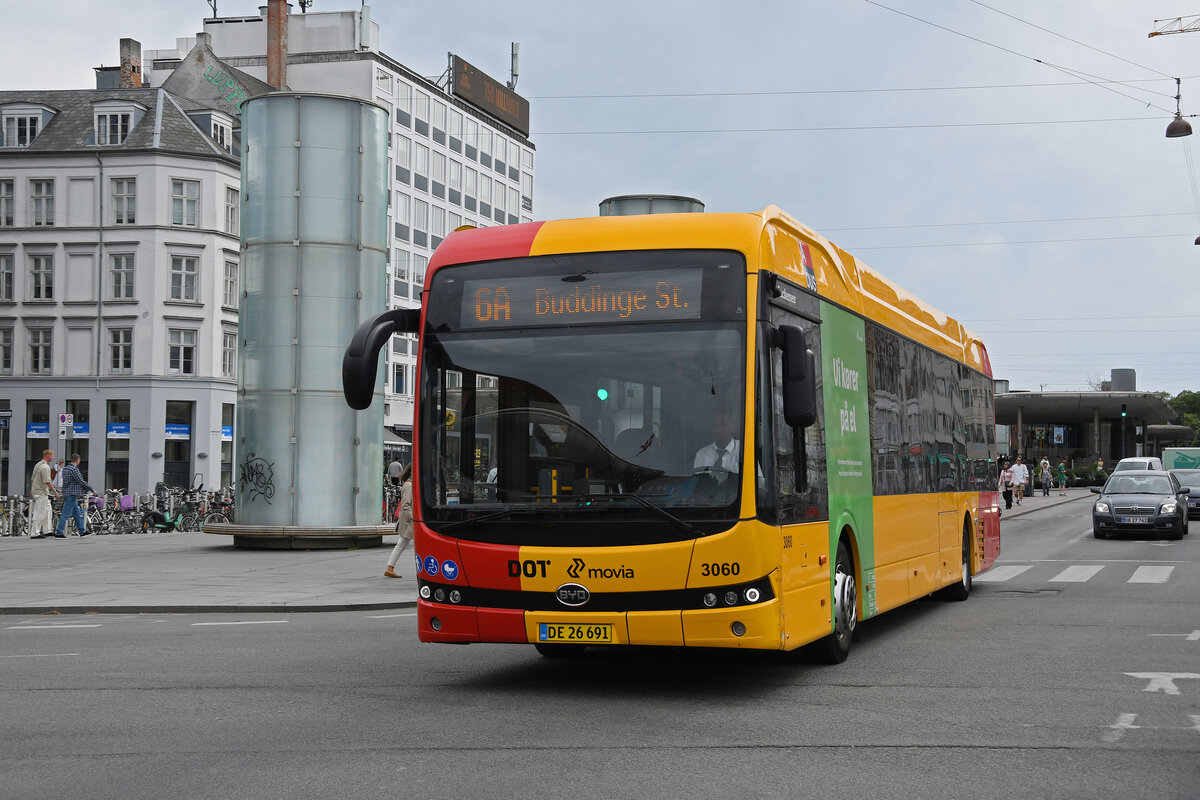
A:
[194,572]
[191,572]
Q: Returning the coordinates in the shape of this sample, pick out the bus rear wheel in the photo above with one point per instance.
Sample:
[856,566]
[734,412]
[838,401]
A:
[834,648]
[962,589]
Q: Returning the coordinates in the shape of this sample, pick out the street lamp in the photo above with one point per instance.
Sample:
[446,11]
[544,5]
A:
[1178,126]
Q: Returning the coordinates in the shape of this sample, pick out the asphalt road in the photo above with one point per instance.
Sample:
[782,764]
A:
[1072,672]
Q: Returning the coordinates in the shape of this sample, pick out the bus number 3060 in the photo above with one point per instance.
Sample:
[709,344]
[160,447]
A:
[722,569]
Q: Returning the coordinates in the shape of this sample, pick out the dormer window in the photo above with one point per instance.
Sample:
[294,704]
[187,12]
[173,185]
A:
[23,122]
[222,131]
[113,127]
[114,119]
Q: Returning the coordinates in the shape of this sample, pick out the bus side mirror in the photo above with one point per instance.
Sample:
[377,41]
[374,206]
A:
[799,378]
[361,360]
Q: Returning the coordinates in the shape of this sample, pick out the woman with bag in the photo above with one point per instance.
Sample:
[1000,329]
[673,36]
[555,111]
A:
[404,523]
[1007,480]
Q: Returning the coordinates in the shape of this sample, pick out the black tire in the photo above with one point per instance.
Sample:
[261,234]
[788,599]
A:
[962,589]
[560,650]
[1098,534]
[1179,531]
[834,648]
[216,518]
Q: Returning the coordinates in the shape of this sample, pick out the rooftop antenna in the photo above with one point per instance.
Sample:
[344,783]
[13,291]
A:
[516,65]
[304,4]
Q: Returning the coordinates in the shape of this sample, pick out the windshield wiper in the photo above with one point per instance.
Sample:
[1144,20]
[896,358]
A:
[683,525]
[501,514]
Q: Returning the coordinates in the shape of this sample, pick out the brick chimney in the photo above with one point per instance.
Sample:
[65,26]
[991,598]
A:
[277,46]
[131,64]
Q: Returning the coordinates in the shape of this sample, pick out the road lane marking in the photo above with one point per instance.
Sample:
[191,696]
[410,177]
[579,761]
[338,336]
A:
[1117,729]
[47,627]
[1194,636]
[42,655]
[1077,574]
[1163,681]
[248,622]
[1001,574]
[1145,574]
[389,616]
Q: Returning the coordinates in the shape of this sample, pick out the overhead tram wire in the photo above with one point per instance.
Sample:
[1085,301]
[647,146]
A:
[1099,82]
[839,128]
[830,229]
[1072,41]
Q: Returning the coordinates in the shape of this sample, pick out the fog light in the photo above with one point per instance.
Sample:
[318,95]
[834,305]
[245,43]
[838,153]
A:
[455,596]
[435,623]
[738,629]
[439,594]
[752,595]
[710,599]
[425,592]
[731,598]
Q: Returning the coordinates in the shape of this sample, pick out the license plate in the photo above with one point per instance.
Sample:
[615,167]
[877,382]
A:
[1136,520]
[572,633]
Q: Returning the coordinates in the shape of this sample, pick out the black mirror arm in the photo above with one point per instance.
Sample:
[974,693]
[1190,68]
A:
[361,360]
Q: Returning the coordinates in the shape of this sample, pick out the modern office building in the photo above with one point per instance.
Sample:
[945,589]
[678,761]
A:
[459,147]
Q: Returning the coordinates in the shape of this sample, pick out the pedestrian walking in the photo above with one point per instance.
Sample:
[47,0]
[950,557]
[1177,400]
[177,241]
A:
[41,486]
[404,523]
[1062,477]
[1046,476]
[1007,480]
[1020,478]
[393,472]
[74,487]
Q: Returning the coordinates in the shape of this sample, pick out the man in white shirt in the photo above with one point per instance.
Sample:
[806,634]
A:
[724,452]
[1021,476]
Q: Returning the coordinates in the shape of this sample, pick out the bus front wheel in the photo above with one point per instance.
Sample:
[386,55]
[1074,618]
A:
[834,648]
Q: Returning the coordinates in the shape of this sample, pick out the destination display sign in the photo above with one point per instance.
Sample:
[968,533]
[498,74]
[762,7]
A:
[608,297]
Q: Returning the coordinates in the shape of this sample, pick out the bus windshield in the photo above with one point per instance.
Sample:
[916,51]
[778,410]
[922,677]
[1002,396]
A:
[621,429]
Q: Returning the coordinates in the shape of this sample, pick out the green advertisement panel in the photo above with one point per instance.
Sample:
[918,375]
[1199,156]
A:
[848,438]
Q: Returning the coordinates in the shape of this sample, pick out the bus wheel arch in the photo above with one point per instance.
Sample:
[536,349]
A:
[834,648]
[961,590]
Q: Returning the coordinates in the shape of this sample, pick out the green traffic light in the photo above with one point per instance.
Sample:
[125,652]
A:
[602,394]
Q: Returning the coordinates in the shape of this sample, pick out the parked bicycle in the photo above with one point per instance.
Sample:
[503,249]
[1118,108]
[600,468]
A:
[14,515]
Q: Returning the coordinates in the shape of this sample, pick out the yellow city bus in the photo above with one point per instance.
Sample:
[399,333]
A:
[692,429]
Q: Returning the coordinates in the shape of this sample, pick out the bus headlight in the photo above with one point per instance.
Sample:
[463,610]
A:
[710,599]
[751,595]
[425,592]
[731,598]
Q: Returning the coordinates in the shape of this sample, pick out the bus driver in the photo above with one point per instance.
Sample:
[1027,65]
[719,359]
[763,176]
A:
[723,452]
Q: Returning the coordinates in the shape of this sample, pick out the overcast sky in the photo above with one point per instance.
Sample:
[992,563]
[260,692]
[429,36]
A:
[1005,160]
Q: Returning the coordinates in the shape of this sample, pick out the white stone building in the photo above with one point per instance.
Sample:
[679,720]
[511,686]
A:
[119,215]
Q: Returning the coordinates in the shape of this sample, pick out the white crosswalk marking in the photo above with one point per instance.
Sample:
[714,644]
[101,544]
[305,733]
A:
[1146,574]
[1001,574]
[1077,574]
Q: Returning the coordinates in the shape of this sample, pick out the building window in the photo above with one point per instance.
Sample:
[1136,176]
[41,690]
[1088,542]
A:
[383,82]
[20,131]
[42,197]
[232,210]
[6,351]
[183,278]
[41,277]
[120,349]
[124,193]
[229,297]
[185,196]
[181,352]
[400,379]
[6,203]
[121,276]
[6,276]
[420,216]
[418,269]
[41,342]
[112,127]
[222,134]
[229,355]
